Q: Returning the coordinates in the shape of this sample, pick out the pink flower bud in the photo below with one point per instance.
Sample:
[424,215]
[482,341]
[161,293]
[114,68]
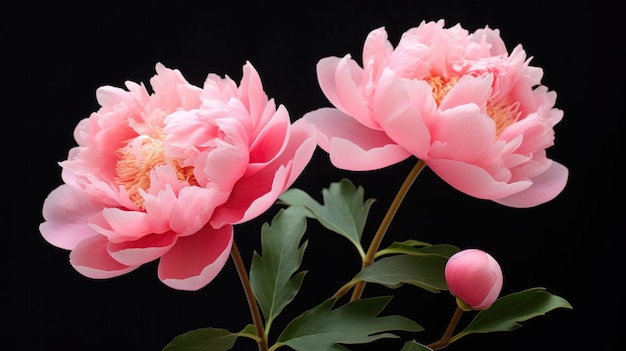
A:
[474,277]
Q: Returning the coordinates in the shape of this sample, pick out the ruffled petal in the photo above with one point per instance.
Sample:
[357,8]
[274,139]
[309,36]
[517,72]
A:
[376,52]
[348,79]
[252,94]
[544,188]
[399,117]
[473,180]
[193,209]
[462,133]
[326,69]
[196,259]
[272,139]
[144,250]
[469,90]
[165,85]
[302,144]
[92,259]
[257,191]
[66,211]
[126,225]
[351,145]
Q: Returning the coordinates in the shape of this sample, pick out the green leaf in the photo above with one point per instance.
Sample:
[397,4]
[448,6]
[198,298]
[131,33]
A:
[203,339]
[414,346]
[324,329]
[414,247]
[272,276]
[507,311]
[343,212]
[424,271]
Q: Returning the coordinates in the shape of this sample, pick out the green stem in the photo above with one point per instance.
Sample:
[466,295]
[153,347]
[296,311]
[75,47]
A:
[384,225]
[252,305]
[445,339]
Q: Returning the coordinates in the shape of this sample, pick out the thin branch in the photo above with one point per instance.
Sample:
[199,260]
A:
[252,305]
[384,225]
[445,339]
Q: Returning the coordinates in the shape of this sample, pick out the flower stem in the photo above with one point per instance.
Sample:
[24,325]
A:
[252,305]
[445,339]
[384,225]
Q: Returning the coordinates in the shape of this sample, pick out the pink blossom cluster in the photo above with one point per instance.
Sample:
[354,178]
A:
[166,175]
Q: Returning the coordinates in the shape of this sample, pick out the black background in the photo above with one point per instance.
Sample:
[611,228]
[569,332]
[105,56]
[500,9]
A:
[59,54]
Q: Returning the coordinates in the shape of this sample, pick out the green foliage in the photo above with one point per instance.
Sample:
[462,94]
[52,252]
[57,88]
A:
[275,281]
[414,346]
[508,310]
[344,211]
[324,329]
[271,275]
[414,247]
[425,271]
[203,339]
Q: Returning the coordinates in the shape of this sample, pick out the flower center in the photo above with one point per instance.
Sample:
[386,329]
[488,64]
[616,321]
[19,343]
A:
[136,161]
[441,86]
[503,111]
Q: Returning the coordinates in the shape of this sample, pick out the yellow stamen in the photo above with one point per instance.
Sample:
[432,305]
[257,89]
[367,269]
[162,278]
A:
[136,161]
[441,86]
[504,112]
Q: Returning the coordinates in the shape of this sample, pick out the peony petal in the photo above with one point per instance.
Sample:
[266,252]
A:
[92,259]
[196,259]
[143,250]
[66,211]
[165,85]
[326,70]
[473,180]
[376,51]
[347,83]
[223,165]
[252,196]
[126,225]
[544,188]
[469,90]
[271,140]
[399,118]
[257,191]
[302,144]
[351,145]
[464,134]
[251,92]
[194,208]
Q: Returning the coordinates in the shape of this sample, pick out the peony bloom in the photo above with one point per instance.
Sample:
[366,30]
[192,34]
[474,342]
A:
[475,114]
[165,175]
[474,277]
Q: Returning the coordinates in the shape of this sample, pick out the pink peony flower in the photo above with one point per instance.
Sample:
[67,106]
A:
[474,277]
[165,175]
[476,115]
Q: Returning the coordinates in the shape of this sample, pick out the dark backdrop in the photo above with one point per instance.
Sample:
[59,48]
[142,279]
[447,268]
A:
[59,54]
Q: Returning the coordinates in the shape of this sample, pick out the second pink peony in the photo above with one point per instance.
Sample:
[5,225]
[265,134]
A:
[475,113]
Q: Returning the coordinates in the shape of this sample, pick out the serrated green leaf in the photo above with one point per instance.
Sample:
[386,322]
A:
[414,346]
[272,276]
[343,212]
[507,311]
[424,271]
[357,322]
[414,247]
[203,339]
